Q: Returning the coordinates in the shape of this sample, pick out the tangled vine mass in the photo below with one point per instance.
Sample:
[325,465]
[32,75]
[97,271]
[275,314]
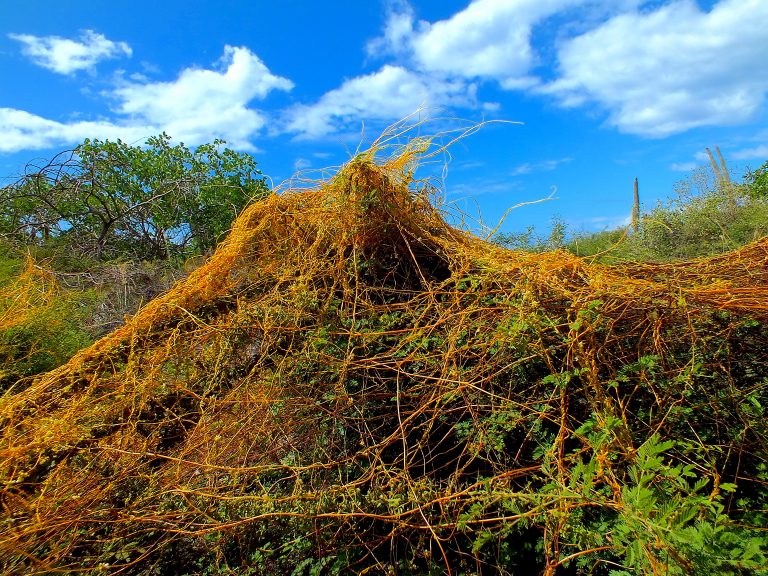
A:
[352,385]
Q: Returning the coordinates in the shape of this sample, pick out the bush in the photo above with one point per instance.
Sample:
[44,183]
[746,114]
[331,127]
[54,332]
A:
[108,200]
[99,231]
[706,217]
[41,326]
[351,385]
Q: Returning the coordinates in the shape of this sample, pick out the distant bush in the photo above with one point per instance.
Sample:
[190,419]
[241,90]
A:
[531,241]
[707,216]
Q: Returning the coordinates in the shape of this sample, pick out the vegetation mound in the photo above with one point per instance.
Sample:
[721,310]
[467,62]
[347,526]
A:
[350,384]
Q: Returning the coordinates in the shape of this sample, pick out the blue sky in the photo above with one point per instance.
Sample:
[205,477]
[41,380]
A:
[606,90]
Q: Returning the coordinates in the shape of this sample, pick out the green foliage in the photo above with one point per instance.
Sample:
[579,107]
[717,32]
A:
[47,316]
[151,206]
[669,521]
[10,264]
[51,331]
[410,402]
[706,217]
[529,240]
[757,182]
[49,339]
[691,226]
[111,200]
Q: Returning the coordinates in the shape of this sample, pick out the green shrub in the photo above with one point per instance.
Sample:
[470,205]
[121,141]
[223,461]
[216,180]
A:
[706,217]
[41,325]
[108,200]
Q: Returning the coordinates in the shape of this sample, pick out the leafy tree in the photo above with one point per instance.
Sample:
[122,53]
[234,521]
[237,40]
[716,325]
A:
[109,199]
[757,182]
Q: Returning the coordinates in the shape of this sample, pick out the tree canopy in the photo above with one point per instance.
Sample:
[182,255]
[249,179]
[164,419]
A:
[758,181]
[109,200]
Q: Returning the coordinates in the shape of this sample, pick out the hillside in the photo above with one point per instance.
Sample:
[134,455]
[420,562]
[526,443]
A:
[351,385]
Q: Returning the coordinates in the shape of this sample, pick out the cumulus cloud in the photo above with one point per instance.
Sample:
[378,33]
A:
[489,39]
[391,93]
[203,104]
[756,153]
[671,69]
[66,56]
[398,31]
[196,107]
[25,131]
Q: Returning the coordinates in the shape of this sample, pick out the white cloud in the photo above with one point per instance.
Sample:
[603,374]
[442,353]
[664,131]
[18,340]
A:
[203,104]
[391,93]
[671,69]
[481,187]
[197,107]
[543,166]
[683,166]
[398,31]
[757,153]
[650,83]
[489,39]
[66,56]
[24,131]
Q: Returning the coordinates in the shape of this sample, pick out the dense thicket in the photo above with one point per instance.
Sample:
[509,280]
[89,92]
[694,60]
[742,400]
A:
[90,236]
[351,385]
[109,200]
